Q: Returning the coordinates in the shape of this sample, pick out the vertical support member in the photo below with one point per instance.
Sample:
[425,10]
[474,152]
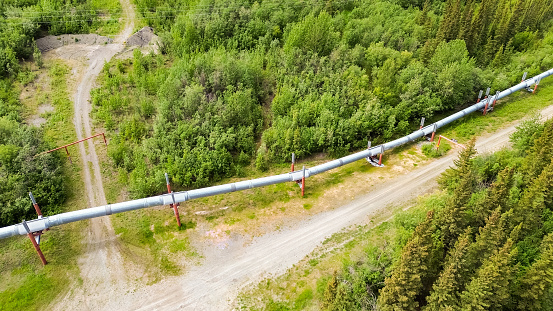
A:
[174,205]
[31,236]
[303,182]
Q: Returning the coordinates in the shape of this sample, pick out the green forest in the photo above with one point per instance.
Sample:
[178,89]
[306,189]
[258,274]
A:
[244,84]
[486,245]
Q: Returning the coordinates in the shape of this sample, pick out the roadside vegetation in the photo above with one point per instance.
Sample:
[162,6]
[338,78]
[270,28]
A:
[483,241]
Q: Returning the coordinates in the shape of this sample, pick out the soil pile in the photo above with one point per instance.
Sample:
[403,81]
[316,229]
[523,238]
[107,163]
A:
[143,37]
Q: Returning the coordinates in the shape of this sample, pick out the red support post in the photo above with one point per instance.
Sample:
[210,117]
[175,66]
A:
[494,100]
[380,159]
[439,140]
[105,141]
[37,248]
[35,205]
[174,205]
[67,151]
[303,182]
[486,107]
[535,88]
[432,138]
[31,236]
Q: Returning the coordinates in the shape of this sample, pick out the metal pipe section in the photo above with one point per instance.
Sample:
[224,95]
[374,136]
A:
[166,199]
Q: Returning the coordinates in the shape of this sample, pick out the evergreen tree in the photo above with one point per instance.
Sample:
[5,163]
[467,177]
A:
[330,292]
[497,196]
[423,17]
[446,289]
[537,279]
[453,218]
[465,24]
[514,24]
[541,153]
[449,27]
[535,198]
[481,25]
[488,240]
[489,288]
[343,301]
[414,270]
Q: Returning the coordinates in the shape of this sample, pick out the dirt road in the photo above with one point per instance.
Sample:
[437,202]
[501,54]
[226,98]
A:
[102,269]
[215,284]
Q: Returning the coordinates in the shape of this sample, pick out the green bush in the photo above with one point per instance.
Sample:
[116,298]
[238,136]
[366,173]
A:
[430,150]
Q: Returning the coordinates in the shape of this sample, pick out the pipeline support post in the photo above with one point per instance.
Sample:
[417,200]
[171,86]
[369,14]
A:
[293,162]
[68,156]
[486,107]
[381,153]
[524,76]
[175,205]
[433,132]
[536,86]
[303,182]
[35,205]
[479,96]
[422,123]
[439,140]
[31,236]
[495,99]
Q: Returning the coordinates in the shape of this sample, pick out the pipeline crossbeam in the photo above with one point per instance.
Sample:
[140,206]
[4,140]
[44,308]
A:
[178,197]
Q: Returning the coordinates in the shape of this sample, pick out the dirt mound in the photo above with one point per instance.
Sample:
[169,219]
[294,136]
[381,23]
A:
[143,37]
[53,42]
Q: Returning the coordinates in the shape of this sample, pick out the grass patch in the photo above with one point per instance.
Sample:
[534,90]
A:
[430,150]
[152,240]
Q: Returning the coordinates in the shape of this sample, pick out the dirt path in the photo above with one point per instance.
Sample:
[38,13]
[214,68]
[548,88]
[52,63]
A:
[215,284]
[102,269]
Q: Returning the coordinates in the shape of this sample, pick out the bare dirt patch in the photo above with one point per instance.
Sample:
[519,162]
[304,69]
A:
[53,42]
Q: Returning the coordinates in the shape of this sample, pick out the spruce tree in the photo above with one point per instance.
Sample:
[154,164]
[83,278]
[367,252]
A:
[445,294]
[414,270]
[514,24]
[497,196]
[489,288]
[449,26]
[330,292]
[343,301]
[535,198]
[541,153]
[465,24]
[488,240]
[538,278]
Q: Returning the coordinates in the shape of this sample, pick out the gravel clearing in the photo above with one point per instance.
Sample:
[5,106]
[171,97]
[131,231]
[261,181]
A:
[53,42]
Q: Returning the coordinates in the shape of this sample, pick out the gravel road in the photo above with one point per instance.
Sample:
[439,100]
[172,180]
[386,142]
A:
[102,269]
